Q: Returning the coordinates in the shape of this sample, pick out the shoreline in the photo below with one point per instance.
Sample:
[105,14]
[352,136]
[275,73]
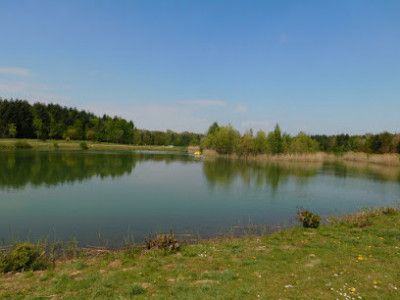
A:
[387,159]
[291,263]
[32,144]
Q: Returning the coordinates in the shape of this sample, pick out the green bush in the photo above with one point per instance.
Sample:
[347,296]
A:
[23,257]
[309,219]
[22,145]
[55,144]
[84,146]
[4,264]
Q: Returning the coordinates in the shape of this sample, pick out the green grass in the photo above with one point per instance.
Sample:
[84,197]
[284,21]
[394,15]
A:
[350,256]
[76,145]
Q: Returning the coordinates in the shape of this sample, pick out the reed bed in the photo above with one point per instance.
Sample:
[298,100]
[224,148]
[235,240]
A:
[389,159]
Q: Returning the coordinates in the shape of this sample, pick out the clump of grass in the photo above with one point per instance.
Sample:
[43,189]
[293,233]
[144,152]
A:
[162,242]
[308,219]
[83,146]
[22,145]
[363,218]
[23,257]
[136,290]
[56,146]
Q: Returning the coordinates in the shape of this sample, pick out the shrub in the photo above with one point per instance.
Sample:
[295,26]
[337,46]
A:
[55,145]
[162,242]
[22,145]
[23,257]
[84,146]
[309,219]
[67,139]
[4,263]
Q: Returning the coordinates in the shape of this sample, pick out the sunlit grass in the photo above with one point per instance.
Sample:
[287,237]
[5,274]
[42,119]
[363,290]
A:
[76,145]
[354,256]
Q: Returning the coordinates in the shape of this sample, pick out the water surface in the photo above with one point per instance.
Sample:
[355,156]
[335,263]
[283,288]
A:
[101,197]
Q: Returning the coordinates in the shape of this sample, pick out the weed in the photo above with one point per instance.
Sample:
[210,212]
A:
[309,219]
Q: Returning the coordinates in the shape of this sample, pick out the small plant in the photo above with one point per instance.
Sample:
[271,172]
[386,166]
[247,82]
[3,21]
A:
[136,290]
[56,146]
[84,146]
[23,257]
[67,139]
[162,242]
[309,219]
[22,145]
[4,264]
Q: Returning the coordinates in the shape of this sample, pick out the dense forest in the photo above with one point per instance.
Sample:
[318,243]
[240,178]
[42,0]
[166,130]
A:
[227,140]
[20,119]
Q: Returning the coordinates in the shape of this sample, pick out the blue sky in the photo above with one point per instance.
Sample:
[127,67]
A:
[317,66]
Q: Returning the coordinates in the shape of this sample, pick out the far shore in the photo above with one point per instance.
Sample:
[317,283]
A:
[11,144]
[388,159]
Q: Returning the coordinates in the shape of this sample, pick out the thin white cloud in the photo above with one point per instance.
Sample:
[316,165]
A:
[241,108]
[15,71]
[204,102]
[33,91]
[152,116]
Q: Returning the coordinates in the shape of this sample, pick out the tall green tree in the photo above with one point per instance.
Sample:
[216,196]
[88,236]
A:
[227,140]
[275,140]
[12,130]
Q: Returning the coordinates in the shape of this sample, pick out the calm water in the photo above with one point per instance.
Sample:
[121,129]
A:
[105,196]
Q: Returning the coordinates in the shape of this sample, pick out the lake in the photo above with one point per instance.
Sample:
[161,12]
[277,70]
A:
[101,198]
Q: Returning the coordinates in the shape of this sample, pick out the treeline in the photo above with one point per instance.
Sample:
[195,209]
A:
[20,119]
[227,140]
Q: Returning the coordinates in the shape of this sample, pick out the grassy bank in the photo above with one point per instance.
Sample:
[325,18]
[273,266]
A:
[76,145]
[354,257]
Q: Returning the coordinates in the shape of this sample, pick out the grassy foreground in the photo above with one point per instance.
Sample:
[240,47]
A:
[76,145]
[355,257]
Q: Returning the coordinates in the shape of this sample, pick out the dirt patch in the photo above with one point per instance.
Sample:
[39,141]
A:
[205,281]
[313,263]
[115,264]
[290,247]
[145,285]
